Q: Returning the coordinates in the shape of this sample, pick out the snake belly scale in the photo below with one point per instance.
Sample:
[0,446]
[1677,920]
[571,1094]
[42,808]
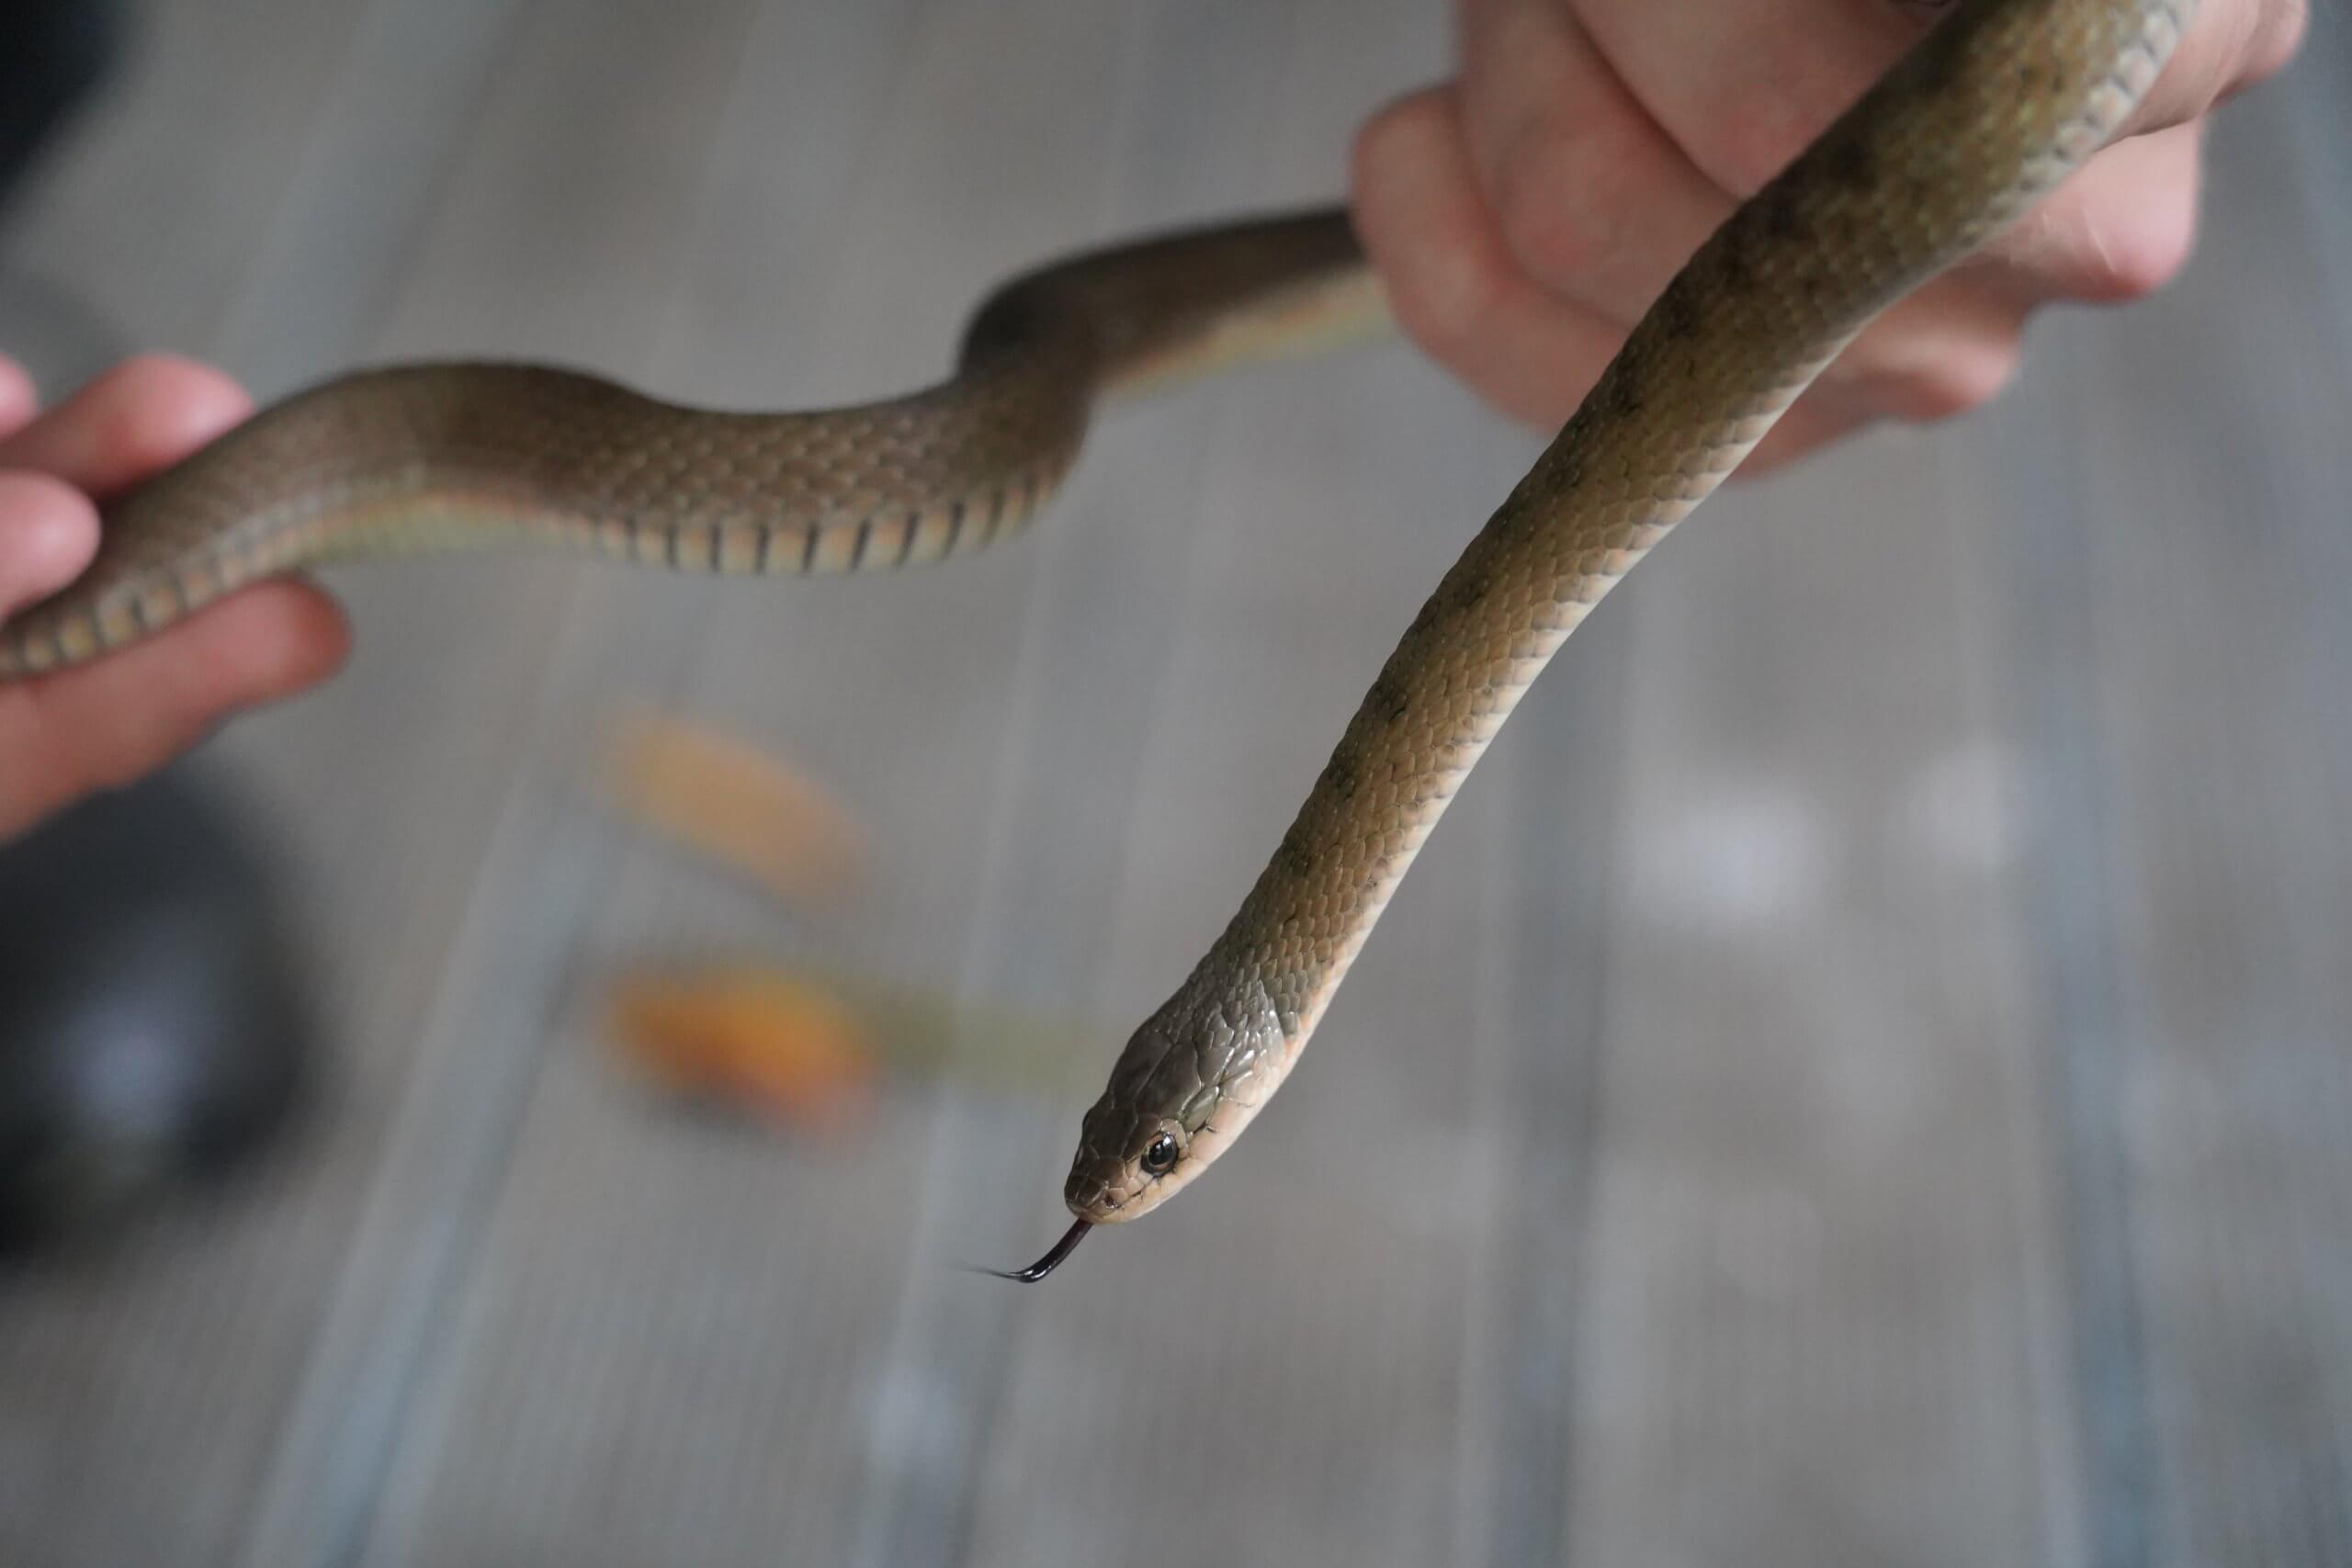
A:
[1993,108]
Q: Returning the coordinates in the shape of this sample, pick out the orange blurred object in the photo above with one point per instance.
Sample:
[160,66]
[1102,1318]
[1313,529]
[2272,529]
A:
[753,1038]
[737,805]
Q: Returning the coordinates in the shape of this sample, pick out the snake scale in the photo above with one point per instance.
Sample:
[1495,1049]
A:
[1988,112]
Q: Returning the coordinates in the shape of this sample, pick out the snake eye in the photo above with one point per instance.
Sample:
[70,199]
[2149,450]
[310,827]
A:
[1161,1157]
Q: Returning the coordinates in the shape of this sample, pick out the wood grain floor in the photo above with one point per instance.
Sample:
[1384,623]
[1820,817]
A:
[1862,1077]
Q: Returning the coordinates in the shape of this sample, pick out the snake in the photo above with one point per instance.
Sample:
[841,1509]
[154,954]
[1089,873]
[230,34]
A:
[1987,112]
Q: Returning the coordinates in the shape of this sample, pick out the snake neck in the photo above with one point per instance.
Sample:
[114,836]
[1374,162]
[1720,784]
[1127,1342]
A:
[1975,124]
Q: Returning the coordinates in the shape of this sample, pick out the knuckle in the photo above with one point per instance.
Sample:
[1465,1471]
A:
[1751,136]
[2137,270]
[1383,142]
[1960,381]
[1443,285]
[2278,37]
[2143,249]
[1445,295]
[1552,201]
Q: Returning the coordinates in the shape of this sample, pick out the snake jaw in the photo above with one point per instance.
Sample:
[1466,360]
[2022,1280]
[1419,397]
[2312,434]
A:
[1107,1180]
[1195,1073]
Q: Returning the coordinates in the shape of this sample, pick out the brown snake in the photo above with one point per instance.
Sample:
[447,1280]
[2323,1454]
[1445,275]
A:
[1990,111]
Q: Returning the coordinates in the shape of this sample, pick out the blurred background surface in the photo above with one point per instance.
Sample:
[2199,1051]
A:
[1861,1077]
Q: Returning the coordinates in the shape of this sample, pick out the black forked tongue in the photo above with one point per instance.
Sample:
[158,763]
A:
[1051,1261]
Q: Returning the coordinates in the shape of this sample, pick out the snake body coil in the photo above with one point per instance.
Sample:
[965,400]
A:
[1994,108]
[417,459]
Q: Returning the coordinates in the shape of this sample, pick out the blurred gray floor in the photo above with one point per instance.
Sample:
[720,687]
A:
[1862,1077]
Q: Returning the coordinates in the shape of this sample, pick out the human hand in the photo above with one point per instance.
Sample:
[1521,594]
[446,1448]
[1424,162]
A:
[105,723]
[1525,214]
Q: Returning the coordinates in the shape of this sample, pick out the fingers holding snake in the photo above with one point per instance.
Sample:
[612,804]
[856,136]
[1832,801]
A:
[66,734]
[1527,213]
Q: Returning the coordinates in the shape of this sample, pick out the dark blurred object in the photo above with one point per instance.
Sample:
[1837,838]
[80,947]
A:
[150,1029]
[51,53]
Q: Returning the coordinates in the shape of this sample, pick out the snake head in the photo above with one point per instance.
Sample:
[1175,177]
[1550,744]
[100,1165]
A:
[1188,1082]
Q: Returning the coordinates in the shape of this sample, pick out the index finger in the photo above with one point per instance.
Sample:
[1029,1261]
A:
[19,397]
[140,416]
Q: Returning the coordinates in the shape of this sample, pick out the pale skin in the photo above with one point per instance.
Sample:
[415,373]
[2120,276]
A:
[1526,211]
[65,735]
[1522,214]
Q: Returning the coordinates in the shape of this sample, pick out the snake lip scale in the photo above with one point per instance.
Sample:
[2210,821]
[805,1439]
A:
[1994,108]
